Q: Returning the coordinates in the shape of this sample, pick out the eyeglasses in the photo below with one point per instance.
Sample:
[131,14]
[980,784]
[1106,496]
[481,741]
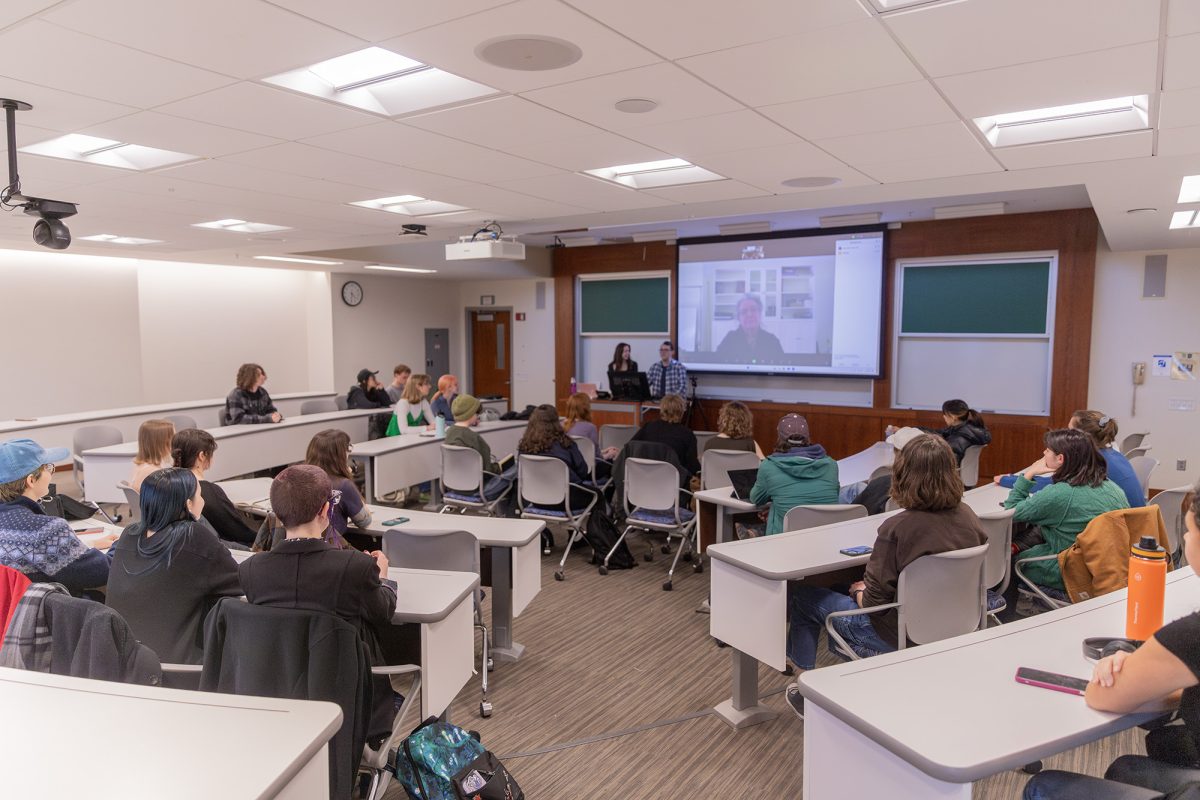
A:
[48,468]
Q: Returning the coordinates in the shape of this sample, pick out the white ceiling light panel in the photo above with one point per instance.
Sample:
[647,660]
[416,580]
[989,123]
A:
[1075,121]
[653,174]
[107,152]
[410,205]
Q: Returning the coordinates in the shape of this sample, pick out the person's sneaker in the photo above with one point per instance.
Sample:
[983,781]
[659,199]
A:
[794,699]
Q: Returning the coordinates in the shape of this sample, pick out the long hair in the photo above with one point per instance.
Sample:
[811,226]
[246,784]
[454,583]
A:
[925,476]
[154,441]
[579,409]
[163,498]
[247,374]
[412,389]
[1082,463]
[330,450]
[444,383]
[1096,424]
[962,413]
[735,420]
[619,361]
[543,431]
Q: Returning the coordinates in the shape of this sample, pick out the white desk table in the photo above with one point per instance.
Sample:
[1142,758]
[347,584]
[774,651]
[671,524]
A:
[749,582]
[255,747]
[240,449]
[397,462]
[858,467]
[926,722]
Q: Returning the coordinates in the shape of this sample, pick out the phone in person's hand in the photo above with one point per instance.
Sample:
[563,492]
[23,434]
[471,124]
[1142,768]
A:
[860,550]
[397,521]
[1052,680]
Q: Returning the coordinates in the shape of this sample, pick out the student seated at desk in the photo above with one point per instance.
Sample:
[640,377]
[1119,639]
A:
[798,473]
[154,450]
[400,375]
[413,413]
[369,393]
[330,450]
[1103,430]
[579,423]
[249,403]
[463,434]
[669,429]
[964,427]
[1079,491]
[926,483]
[43,547]
[735,430]
[544,436]
[168,569]
[443,399]
[1165,670]
[194,449]
[874,495]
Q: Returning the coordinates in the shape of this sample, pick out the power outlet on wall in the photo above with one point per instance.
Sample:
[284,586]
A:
[1181,465]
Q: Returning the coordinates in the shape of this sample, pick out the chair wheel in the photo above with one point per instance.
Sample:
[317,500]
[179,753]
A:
[687,556]
[720,643]
[558,575]
[485,709]
[666,549]
[648,556]
[491,665]
[667,586]
[1032,768]
[545,551]
[698,567]
[603,570]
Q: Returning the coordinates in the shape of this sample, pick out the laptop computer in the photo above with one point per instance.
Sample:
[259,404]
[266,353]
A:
[629,386]
[743,481]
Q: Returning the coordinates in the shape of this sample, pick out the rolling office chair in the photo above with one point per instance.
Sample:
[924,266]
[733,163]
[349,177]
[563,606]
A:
[544,492]
[969,468]
[800,518]
[463,481]
[715,465]
[652,505]
[89,438]
[182,422]
[320,406]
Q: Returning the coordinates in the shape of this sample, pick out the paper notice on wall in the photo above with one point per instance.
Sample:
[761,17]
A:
[1183,366]
[1160,366]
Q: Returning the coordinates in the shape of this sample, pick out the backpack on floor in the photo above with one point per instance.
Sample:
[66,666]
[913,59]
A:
[602,534]
[440,761]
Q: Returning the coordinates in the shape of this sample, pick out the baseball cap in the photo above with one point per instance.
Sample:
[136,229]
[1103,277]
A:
[793,426]
[363,374]
[464,407]
[21,457]
[903,436]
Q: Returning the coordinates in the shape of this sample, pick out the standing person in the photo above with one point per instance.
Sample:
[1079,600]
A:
[168,569]
[621,360]
[669,429]
[667,376]
[412,413]
[400,375]
[249,403]
[42,547]
[330,450]
[193,449]
[735,430]
[369,393]
[443,400]
[154,450]
[748,342]
[798,473]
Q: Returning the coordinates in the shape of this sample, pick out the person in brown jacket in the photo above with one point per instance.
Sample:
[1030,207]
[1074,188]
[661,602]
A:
[926,483]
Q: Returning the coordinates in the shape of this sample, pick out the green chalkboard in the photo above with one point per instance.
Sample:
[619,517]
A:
[625,305]
[1009,297]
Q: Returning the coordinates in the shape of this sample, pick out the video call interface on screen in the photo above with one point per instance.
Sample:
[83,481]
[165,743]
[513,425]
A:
[803,305]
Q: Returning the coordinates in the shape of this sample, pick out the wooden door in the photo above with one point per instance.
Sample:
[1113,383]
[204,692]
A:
[491,354]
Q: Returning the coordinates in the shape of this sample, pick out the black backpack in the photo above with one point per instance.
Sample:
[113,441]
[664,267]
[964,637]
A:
[601,535]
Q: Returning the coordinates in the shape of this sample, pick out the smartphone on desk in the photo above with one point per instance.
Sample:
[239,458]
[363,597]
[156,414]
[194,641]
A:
[397,521]
[860,550]
[1052,680]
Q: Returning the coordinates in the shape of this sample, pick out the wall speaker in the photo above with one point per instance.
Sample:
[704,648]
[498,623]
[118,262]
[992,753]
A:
[1154,277]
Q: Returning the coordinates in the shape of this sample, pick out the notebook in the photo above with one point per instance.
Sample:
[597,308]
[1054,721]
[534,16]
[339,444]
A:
[743,481]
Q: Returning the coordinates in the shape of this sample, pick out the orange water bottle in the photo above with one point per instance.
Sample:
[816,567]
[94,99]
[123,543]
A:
[1147,585]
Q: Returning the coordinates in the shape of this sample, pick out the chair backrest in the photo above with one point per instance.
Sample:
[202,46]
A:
[650,484]
[702,437]
[456,551]
[1170,505]
[133,499]
[588,452]
[1138,451]
[715,465]
[94,436]
[942,595]
[891,505]
[998,527]
[321,405]
[969,468]
[341,403]
[802,517]
[879,472]
[616,435]
[1131,441]
[462,468]
[542,480]
[1142,467]
[182,422]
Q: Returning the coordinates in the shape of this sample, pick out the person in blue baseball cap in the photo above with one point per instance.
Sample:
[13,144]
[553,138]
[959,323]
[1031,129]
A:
[42,547]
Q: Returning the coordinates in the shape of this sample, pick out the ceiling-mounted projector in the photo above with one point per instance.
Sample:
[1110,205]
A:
[501,248]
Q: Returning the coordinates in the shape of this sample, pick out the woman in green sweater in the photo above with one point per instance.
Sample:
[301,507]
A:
[1079,492]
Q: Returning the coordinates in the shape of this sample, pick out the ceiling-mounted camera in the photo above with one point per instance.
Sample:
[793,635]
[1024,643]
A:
[49,230]
[413,229]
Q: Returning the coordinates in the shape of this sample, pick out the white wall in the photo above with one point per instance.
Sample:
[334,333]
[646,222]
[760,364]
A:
[532,339]
[1127,328]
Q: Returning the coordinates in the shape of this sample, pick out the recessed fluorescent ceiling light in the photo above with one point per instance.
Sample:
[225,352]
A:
[884,6]
[1184,219]
[114,239]
[844,220]
[398,269]
[1094,118]
[654,174]
[106,152]
[739,228]
[410,205]
[580,241]
[972,210]
[291,260]
[381,81]
[1189,190]
[241,226]
[665,235]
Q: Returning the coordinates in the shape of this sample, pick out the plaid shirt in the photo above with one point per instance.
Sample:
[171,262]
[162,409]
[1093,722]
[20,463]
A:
[242,407]
[27,642]
[675,375]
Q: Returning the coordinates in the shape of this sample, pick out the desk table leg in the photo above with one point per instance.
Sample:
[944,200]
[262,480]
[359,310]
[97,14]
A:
[742,709]
[368,479]
[504,649]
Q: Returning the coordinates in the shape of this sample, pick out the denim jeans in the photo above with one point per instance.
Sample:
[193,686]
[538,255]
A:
[1055,784]
[494,485]
[808,606]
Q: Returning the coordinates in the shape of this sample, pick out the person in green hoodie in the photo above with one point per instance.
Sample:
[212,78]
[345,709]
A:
[798,473]
[1079,491]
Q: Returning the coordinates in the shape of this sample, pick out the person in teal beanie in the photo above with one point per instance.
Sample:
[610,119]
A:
[798,473]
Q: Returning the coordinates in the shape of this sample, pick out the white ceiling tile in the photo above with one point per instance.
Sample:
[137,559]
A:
[36,168]
[923,169]
[1183,16]
[709,25]
[950,139]
[811,64]
[249,32]
[506,204]
[708,192]
[13,12]
[678,94]
[1179,109]
[268,111]
[694,137]
[952,38]
[451,46]
[501,123]
[587,152]
[581,190]
[1182,67]
[225,173]
[1118,72]
[768,167]
[1179,141]
[887,108]
[89,66]
[152,129]
[60,111]
[375,20]
[1079,151]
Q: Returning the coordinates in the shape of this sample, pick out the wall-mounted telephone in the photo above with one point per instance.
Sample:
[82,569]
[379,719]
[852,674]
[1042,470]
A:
[1139,373]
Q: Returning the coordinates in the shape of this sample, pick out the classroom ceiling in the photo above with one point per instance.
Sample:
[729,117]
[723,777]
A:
[759,92]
